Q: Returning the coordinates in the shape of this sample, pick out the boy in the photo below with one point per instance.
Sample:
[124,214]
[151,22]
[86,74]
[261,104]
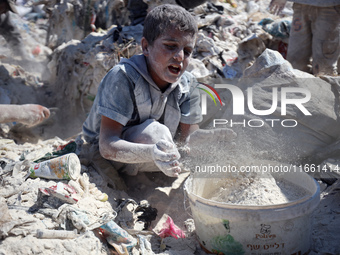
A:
[143,102]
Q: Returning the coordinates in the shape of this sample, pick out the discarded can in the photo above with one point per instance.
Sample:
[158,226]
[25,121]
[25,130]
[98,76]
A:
[64,167]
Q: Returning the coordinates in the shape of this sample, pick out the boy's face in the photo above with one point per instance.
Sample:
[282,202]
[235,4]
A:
[169,56]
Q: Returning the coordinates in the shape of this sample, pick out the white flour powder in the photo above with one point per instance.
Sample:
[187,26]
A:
[252,189]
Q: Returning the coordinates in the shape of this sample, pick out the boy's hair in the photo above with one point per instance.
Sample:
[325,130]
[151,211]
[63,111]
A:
[167,16]
[10,5]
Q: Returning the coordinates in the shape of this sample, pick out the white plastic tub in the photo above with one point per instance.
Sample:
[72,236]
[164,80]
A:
[229,229]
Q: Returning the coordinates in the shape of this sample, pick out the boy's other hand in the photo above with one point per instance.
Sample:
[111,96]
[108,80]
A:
[165,155]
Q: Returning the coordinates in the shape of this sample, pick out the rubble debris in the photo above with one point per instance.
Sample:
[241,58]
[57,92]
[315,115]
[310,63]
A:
[56,234]
[118,237]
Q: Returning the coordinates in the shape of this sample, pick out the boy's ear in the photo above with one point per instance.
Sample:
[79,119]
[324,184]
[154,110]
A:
[145,45]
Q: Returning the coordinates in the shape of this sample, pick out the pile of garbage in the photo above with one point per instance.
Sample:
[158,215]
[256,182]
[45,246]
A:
[48,193]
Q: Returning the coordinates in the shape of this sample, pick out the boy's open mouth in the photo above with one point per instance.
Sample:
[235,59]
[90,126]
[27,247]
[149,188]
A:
[175,69]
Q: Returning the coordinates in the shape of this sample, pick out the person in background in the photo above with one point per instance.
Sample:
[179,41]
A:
[8,30]
[315,33]
[138,9]
[189,4]
[28,114]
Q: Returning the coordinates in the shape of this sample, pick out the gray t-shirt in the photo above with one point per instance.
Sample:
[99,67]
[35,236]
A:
[128,95]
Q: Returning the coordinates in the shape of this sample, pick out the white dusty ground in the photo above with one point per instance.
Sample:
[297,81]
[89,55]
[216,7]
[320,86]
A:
[163,193]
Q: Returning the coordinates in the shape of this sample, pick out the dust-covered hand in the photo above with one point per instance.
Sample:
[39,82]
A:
[276,6]
[33,114]
[28,114]
[165,155]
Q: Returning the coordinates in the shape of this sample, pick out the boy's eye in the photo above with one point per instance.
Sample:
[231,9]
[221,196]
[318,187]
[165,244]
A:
[170,46]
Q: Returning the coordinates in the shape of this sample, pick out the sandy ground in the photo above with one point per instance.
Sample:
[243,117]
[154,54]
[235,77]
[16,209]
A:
[168,197]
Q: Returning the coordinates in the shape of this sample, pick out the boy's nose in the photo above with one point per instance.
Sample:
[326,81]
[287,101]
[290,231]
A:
[179,56]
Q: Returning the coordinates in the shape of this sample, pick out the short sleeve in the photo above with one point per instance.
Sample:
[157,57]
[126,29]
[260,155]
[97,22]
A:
[115,97]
